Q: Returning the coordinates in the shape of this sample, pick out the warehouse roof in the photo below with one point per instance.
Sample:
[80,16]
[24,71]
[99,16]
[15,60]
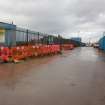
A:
[7,25]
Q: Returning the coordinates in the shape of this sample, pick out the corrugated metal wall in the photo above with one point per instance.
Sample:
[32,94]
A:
[102,43]
[10,38]
[10,34]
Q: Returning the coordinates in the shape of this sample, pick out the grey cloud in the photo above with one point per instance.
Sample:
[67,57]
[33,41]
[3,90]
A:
[55,16]
[88,11]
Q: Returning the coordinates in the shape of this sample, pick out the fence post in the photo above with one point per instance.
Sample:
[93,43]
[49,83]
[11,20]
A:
[38,37]
[27,36]
[60,43]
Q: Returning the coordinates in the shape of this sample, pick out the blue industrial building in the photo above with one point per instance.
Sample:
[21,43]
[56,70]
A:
[10,35]
[7,34]
[102,43]
[78,39]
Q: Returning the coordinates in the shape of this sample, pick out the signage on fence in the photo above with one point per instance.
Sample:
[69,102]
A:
[2,35]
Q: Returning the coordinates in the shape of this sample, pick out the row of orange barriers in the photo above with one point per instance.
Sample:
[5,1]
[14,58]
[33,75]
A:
[67,46]
[23,52]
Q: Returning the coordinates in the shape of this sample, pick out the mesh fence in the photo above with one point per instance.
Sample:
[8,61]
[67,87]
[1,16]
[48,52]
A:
[21,36]
[24,36]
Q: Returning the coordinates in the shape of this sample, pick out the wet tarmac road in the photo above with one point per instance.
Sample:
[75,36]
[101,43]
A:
[73,78]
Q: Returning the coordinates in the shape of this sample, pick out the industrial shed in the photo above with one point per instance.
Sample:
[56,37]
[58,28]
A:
[102,43]
[7,34]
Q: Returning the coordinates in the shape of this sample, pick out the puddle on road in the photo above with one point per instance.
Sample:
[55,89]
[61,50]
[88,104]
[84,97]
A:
[91,55]
[12,71]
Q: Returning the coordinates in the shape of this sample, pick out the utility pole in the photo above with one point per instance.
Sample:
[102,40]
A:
[27,35]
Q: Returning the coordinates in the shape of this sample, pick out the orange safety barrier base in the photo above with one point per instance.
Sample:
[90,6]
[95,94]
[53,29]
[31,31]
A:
[15,54]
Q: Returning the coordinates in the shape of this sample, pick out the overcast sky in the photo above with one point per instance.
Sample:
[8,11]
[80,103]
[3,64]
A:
[69,18]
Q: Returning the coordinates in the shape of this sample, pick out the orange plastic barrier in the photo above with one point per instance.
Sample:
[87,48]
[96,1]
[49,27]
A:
[4,54]
[17,53]
[67,46]
[23,52]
